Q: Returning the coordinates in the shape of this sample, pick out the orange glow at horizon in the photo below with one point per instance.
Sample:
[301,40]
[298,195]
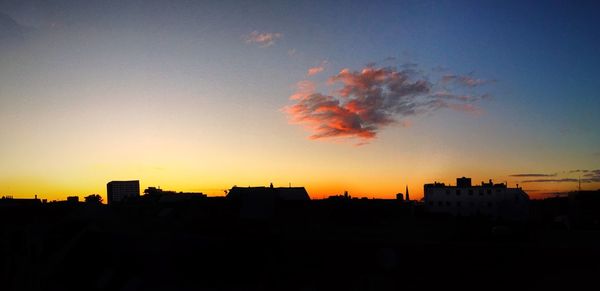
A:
[384,188]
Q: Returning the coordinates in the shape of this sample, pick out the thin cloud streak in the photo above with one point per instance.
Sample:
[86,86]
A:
[551,180]
[533,175]
[590,176]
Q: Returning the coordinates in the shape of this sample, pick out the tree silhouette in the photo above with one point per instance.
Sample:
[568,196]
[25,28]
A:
[93,199]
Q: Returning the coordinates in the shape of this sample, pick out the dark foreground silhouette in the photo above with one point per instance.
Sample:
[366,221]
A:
[331,244]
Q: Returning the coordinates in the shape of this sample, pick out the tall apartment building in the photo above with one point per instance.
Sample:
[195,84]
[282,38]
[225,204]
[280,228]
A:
[117,191]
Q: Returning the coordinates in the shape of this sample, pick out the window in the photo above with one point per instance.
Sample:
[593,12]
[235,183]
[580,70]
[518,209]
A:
[457,192]
[470,192]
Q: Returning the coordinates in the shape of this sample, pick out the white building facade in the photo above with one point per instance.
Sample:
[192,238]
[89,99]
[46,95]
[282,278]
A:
[495,201]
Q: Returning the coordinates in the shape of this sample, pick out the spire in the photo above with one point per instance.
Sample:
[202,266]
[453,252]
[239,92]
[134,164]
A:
[407,196]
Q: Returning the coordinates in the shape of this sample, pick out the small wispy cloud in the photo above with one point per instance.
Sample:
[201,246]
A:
[263,39]
[316,69]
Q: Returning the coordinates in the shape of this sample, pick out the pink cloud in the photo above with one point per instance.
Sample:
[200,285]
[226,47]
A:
[314,70]
[303,90]
[263,39]
[366,101]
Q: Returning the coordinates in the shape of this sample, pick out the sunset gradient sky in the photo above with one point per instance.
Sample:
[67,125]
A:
[333,96]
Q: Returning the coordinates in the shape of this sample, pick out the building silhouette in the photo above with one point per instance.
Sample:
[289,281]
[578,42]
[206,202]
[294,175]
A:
[118,191]
[16,202]
[277,193]
[165,196]
[496,201]
[261,202]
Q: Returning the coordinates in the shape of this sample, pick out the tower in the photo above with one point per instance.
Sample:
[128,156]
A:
[407,196]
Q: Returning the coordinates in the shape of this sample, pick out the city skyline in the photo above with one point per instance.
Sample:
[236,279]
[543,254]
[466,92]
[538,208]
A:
[358,97]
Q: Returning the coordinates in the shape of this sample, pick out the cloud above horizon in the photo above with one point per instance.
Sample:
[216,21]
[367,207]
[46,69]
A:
[263,39]
[316,69]
[590,176]
[533,175]
[362,102]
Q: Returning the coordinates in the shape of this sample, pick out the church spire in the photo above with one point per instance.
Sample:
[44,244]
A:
[407,196]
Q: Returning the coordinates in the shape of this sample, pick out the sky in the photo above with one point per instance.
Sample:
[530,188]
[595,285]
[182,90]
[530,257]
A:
[332,95]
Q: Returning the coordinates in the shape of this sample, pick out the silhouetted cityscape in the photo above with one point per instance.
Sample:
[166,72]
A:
[302,145]
[274,238]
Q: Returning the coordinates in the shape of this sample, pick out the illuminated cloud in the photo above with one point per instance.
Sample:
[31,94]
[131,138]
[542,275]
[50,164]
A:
[363,102]
[314,70]
[317,69]
[263,39]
